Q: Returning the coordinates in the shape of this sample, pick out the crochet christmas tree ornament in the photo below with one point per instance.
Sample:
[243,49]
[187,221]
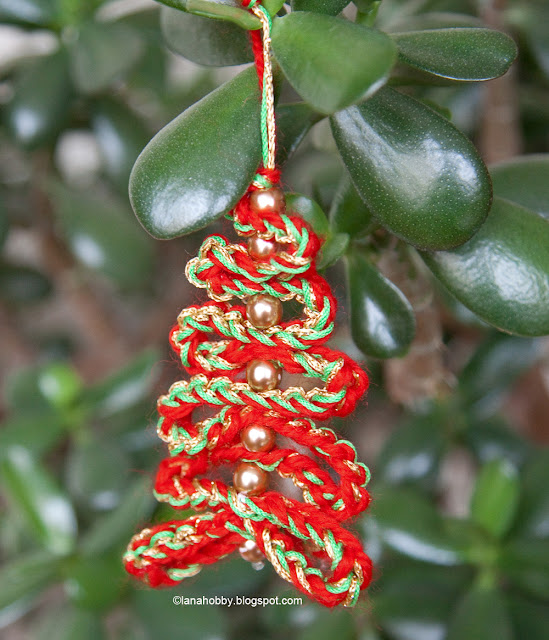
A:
[235,355]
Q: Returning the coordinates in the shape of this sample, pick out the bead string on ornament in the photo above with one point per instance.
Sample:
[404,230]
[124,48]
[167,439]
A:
[235,355]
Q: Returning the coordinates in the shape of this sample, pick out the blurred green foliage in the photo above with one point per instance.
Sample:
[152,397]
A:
[86,297]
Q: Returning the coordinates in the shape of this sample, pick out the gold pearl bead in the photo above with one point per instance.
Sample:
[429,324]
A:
[249,478]
[261,249]
[263,375]
[264,311]
[257,438]
[268,201]
[251,552]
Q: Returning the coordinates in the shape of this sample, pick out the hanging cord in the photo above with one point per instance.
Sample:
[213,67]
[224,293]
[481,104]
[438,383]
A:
[262,54]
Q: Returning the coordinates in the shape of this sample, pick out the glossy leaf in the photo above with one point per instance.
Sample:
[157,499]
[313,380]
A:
[348,213]
[95,583]
[121,136]
[102,53]
[230,10]
[480,614]
[329,7]
[412,453]
[525,563]
[125,388]
[326,76]
[524,181]
[24,576]
[96,473]
[39,430]
[460,53]
[293,122]
[420,177]
[115,528]
[99,234]
[433,20]
[35,496]
[22,285]
[502,273]
[411,525]
[493,438]
[530,618]
[198,166]
[533,513]
[493,369]
[205,41]
[382,319]
[495,497]
[38,12]
[40,107]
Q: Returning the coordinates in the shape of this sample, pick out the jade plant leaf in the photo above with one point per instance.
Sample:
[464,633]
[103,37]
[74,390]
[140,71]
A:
[40,107]
[420,177]
[121,136]
[313,52]
[38,12]
[293,122]
[199,165]
[230,10]
[470,54]
[495,497]
[524,181]
[502,273]
[205,41]
[42,505]
[382,319]
[329,7]
[348,213]
[101,53]
[480,614]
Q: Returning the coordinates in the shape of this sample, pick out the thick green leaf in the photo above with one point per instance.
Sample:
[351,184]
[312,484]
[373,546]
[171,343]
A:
[434,20]
[38,12]
[22,285]
[230,10]
[421,178]
[25,576]
[460,53]
[293,122]
[502,273]
[36,498]
[493,438]
[524,181]
[411,525]
[95,583]
[526,564]
[313,51]
[412,453]
[329,7]
[121,136]
[98,233]
[199,166]
[102,53]
[40,107]
[530,618]
[348,213]
[495,497]
[480,615]
[533,513]
[205,41]
[382,319]
[97,472]
[38,430]
[125,388]
[161,618]
[113,530]
[493,369]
